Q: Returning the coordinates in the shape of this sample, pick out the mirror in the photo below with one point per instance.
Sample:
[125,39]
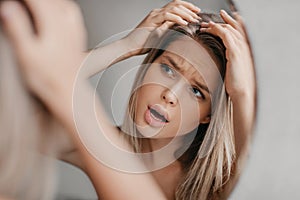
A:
[184,108]
[106,21]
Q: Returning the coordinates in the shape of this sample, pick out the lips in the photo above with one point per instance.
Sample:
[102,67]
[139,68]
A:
[156,116]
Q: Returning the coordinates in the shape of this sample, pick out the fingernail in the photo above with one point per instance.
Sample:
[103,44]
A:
[184,22]
[195,20]
[223,11]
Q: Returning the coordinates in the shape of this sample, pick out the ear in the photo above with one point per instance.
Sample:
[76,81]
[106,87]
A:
[206,119]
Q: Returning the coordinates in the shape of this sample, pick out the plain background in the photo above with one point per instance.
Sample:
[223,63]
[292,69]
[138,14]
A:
[272,171]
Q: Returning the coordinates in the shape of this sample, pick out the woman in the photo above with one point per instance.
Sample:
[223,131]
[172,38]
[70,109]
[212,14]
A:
[203,165]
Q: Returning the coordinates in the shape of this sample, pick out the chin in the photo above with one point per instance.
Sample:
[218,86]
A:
[149,132]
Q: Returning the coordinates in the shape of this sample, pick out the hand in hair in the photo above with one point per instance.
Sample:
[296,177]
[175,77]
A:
[48,49]
[240,86]
[158,21]
[49,56]
[50,52]
[239,78]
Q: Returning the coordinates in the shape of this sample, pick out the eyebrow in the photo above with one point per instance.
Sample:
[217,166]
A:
[176,66]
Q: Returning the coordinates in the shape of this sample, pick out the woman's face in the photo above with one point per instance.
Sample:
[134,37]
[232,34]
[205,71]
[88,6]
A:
[175,95]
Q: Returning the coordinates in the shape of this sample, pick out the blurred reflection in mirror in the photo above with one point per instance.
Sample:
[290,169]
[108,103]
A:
[189,116]
[192,107]
[26,129]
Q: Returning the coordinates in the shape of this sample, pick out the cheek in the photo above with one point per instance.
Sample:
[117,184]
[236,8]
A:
[141,96]
[144,96]
[145,92]
[188,115]
[192,113]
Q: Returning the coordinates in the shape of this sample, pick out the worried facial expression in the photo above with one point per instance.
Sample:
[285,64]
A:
[175,95]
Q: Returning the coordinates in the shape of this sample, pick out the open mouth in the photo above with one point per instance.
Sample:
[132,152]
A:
[155,114]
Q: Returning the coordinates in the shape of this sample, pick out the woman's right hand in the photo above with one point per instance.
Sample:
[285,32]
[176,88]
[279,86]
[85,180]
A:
[157,22]
[142,38]
[48,54]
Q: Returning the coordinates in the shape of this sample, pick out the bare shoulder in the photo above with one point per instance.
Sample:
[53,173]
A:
[68,152]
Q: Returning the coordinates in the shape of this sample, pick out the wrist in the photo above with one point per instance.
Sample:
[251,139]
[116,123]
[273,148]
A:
[240,92]
[130,48]
[138,42]
[243,97]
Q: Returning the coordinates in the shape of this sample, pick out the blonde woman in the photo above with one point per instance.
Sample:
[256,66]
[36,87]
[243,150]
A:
[197,82]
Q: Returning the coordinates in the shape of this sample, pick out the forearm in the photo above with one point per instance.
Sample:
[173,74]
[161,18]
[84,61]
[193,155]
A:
[243,122]
[100,58]
[244,106]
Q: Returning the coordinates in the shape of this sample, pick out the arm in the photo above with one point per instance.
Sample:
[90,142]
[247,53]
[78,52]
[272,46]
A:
[57,55]
[143,37]
[49,58]
[137,42]
[240,86]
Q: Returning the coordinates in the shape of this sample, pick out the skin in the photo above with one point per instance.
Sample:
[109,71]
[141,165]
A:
[49,59]
[47,52]
[176,88]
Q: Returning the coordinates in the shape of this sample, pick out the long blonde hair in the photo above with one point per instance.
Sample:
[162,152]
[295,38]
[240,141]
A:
[208,161]
[26,134]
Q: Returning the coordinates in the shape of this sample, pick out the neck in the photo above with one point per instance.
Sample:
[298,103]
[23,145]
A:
[166,147]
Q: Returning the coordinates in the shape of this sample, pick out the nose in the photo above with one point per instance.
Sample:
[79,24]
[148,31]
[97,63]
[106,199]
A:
[169,97]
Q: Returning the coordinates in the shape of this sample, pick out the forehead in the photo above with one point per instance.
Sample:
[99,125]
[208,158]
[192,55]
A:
[191,51]
[188,53]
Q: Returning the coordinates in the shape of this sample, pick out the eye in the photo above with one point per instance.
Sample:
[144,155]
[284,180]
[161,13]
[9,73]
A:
[167,70]
[197,93]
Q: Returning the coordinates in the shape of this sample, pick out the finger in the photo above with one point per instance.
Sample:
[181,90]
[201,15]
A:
[204,24]
[233,31]
[218,30]
[164,27]
[193,14]
[207,25]
[183,13]
[228,19]
[188,5]
[39,7]
[17,24]
[167,16]
[39,10]
[238,18]
[226,39]
[240,21]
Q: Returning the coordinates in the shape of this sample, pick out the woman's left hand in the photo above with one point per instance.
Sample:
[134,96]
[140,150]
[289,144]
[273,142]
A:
[241,87]
[239,77]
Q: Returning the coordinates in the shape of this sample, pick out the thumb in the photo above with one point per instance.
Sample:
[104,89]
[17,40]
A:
[157,34]
[16,24]
[164,27]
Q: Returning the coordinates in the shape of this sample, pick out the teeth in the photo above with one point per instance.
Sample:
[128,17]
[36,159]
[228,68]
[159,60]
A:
[157,115]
